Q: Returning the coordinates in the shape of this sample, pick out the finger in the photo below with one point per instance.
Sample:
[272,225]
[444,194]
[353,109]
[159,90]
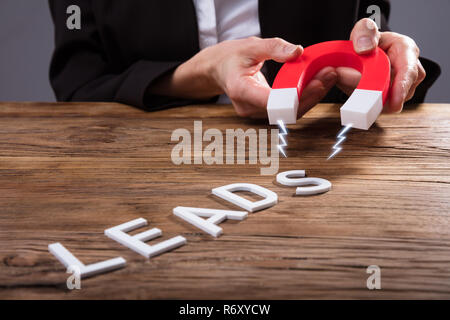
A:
[403,81]
[252,108]
[348,79]
[273,48]
[403,54]
[365,36]
[420,78]
[261,79]
[254,68]
[250,91]
[317,89]
[249,111]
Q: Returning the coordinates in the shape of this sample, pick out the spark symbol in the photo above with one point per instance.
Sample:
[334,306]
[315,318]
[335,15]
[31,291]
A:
[281,134]
[341,137]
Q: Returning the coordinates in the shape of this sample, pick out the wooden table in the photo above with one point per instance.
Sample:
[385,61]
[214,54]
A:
[69,171]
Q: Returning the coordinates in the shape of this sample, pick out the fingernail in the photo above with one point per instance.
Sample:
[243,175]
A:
[364,43]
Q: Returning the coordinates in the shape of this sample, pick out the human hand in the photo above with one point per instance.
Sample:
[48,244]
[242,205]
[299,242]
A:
[406,70]
[235,68]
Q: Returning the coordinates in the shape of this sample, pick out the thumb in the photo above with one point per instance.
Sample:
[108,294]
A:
[273,48]
[365,36]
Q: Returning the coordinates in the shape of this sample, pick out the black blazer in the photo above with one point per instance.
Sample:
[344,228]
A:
[124,45]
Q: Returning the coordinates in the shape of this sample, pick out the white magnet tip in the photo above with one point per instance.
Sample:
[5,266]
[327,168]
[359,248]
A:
[362,108]
[282,105]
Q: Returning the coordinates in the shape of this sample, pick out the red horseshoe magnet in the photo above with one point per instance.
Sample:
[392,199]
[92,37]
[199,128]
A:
[364,105]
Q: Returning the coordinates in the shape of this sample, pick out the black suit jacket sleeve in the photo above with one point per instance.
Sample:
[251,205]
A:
[81,70]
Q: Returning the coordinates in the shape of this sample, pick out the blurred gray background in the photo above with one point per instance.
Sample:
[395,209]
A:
[26,37]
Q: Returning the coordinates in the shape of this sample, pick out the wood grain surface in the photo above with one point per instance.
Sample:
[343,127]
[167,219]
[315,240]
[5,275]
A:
[69,171]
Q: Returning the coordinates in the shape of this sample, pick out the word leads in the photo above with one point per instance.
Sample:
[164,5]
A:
[193,216]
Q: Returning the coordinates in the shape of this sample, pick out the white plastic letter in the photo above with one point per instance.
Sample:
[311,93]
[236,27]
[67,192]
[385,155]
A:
[192,215]
[319,186]
[226,193]
[71,262]
[295,178]
[137,242]
[286,178]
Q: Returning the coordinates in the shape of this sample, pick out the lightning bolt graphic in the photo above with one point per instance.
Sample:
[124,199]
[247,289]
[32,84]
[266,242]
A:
[281,134]
[341,137]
